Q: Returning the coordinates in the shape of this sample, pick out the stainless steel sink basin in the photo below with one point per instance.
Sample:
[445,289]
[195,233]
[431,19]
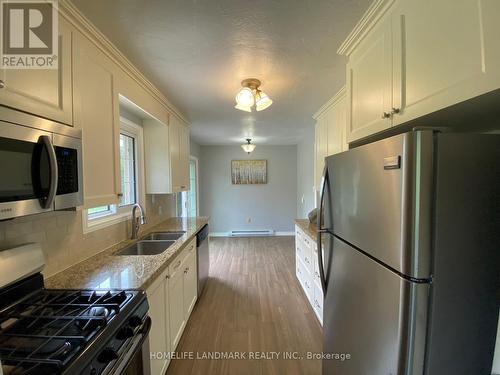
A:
[146,248]
[164,236]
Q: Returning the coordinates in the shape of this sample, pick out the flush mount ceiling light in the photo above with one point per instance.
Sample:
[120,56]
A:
[248,147]
[250,96]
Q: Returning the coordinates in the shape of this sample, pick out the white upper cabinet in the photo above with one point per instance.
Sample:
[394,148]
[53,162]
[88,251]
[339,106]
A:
[157,157]
[446,52]
[410,58]
[97,114]
[166,156]
[369,83]
[43,92]
[337,122]
[330,132]
[179,154]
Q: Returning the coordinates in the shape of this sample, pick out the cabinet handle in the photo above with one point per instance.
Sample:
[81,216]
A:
[2,84]
[186,270]
[386,115]
[177,265]
[167,277]
[119,195]
[183,186]
[395,110]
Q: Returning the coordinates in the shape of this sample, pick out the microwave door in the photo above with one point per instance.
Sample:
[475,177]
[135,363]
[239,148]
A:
[29,171]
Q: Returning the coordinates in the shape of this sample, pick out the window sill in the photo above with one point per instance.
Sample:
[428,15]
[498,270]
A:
[103,222]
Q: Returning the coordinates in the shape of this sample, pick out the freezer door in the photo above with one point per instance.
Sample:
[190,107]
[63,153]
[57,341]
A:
[373,315]
[380,200]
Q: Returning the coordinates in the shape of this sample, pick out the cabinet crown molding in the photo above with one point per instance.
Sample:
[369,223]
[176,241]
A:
[87,28]
[376,10]
[332,101]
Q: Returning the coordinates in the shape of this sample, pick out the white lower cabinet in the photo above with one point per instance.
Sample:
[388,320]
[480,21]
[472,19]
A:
[176,303]
[317,301]
[190,281]
[159,338]
[307,272]
[171,299]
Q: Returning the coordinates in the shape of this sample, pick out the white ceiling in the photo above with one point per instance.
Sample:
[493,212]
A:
[197,52]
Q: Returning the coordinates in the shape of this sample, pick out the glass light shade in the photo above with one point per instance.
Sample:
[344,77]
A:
[245,97]
[248,147]
[245,108]
[263,101]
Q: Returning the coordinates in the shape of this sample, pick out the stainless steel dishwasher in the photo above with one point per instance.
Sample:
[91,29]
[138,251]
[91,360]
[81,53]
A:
[203,261]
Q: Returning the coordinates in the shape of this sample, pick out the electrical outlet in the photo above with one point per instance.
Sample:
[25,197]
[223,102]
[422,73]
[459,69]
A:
[249,220]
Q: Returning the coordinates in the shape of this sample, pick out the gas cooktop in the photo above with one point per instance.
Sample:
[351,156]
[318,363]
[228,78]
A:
[51,331]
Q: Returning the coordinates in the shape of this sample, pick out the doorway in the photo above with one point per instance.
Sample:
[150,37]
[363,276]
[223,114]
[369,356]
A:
[187,201]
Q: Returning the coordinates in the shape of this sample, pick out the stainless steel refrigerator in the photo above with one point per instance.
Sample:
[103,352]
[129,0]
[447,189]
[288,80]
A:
[409,246]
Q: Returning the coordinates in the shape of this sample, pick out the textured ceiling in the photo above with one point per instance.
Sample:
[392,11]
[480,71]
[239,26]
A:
[197,52]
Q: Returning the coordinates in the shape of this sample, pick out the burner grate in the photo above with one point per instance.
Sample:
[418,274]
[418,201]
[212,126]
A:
[47,330]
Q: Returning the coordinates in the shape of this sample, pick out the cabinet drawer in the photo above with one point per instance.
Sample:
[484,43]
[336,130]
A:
[305,253]
[317,302]
[304,278]
[308,241]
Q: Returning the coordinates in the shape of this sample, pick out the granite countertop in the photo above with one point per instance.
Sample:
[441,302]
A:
[106,270]
[307,227]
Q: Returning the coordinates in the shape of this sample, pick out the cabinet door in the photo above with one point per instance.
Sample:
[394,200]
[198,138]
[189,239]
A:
[445,52]
[97,114]
[157,157]
[336,127]
[175,152]
[159,323]
[317,302]
[190,282]
[184,158]
[176,303]
[43,92]
[321,147]
[369,86]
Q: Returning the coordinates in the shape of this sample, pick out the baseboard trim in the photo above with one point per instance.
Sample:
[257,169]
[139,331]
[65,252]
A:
[219,234]
[228,234]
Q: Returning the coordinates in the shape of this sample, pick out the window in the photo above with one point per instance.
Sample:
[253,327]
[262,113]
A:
[130,172]
[187,201]
[128,169]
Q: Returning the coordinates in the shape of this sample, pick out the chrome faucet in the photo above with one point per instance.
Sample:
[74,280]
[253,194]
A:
[137,221]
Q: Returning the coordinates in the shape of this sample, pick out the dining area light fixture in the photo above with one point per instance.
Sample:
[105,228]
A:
[251,96]
[248,147]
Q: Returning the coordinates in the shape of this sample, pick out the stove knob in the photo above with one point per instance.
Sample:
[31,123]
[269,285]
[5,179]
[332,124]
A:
[107,355]
[125,333]
[135,321]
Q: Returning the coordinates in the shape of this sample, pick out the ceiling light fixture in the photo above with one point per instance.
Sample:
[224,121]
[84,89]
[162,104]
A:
[250,96]
[248,147]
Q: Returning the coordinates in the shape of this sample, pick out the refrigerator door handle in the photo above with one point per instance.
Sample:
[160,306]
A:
[324,179]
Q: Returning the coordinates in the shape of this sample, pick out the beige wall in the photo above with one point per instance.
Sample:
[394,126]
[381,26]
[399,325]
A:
[61,233]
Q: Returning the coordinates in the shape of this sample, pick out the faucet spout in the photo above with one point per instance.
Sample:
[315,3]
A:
[137,222]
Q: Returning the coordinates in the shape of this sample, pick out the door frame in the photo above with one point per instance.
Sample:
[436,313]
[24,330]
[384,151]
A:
[196,162]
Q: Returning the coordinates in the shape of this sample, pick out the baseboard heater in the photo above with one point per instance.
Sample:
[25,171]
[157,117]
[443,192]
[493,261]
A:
[251,233]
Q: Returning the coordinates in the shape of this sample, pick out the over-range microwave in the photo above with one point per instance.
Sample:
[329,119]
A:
[40,165]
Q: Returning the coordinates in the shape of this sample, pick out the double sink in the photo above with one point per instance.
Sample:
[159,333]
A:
[153,244]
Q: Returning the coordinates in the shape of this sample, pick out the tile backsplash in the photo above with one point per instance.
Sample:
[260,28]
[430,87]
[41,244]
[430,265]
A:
[61,233]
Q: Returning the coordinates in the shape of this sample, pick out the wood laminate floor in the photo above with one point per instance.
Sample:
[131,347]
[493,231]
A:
[251,303]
